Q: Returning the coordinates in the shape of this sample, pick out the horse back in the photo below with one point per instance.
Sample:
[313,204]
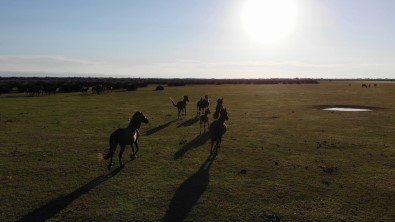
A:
[217,129]
[121,136]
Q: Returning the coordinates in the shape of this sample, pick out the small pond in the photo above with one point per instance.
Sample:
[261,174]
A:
[341,109]
[347,108]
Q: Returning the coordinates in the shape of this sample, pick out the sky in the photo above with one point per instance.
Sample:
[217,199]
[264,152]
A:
[198,38]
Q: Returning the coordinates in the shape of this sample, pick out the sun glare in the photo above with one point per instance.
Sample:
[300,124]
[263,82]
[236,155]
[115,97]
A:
[269,21]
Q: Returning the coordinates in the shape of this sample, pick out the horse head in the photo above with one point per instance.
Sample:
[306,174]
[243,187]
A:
[220,101]
[142,118]
[137,119]
[186,99]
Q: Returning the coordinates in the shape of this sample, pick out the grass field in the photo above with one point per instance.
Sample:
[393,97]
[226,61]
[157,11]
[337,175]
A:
[281,158]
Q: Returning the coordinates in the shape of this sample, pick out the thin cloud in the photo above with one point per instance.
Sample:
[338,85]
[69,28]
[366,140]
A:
[21,60]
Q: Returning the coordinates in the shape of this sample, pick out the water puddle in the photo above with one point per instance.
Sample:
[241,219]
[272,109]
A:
[347,108]
[340,109]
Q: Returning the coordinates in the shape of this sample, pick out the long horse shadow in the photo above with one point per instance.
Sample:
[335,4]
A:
[189,122]
[54,206]
[198,141]
[159,128]
[188,193]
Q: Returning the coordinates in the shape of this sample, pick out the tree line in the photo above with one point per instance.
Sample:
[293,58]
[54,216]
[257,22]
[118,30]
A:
[75,84]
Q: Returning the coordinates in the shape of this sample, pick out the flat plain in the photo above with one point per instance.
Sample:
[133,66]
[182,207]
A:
[282,158]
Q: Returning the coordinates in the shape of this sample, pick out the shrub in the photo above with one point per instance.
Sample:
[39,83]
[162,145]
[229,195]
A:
[160,88]
[131,87]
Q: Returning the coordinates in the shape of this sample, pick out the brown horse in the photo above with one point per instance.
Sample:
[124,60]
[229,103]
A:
[204,120]
[217,130]
[218,108]
[181,106]
[202,104]
[123,137]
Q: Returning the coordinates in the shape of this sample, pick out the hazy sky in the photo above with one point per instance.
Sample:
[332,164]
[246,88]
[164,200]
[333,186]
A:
[200,38]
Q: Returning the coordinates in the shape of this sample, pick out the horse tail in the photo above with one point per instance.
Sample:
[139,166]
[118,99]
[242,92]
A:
[172,101]
[111,151]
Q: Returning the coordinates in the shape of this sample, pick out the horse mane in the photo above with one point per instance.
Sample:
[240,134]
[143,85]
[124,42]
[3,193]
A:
[134,120]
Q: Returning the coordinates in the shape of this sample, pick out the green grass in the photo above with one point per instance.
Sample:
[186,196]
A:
[301,163]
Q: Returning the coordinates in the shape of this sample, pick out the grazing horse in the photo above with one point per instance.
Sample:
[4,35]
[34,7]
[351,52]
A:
[204,120]
[123,137]
[202,104]
[181,106]
[217,130]
[364,86]
[218,108]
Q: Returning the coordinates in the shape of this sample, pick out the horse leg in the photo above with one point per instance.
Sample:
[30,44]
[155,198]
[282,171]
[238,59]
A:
[111,164]
[134,154]
[137,149]
[212,146]
[113,146]
[120,155]
[219,141]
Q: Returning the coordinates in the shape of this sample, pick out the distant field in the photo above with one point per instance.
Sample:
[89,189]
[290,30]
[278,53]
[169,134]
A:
[282,158]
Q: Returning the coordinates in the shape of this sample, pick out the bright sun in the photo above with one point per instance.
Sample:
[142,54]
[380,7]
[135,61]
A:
[269,21]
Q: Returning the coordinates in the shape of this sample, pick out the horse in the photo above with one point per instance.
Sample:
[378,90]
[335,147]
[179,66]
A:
[84,89]
[202,104]
[181,106]
[204,120]
[123,137]
[218,108]
[364,86]
[217,130]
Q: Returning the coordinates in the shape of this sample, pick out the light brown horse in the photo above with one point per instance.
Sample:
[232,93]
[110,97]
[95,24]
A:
[217,130]
[123,137]
[181,106]
[204,120]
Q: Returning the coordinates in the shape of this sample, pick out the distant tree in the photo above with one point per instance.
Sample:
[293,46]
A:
[131,87]
[5,89]
[160,88]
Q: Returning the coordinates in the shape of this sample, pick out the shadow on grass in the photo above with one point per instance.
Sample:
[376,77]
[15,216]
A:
[188,193]
[54,206]
[198,141]
[189,122]
[159,128]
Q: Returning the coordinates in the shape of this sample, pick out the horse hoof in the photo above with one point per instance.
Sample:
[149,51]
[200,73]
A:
[133,157]
[122,166]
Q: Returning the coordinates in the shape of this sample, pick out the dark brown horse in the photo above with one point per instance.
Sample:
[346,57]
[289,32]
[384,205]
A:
[217,130]
[123,137]
[181,106]
[202,104]
[204,120]
[218,108]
